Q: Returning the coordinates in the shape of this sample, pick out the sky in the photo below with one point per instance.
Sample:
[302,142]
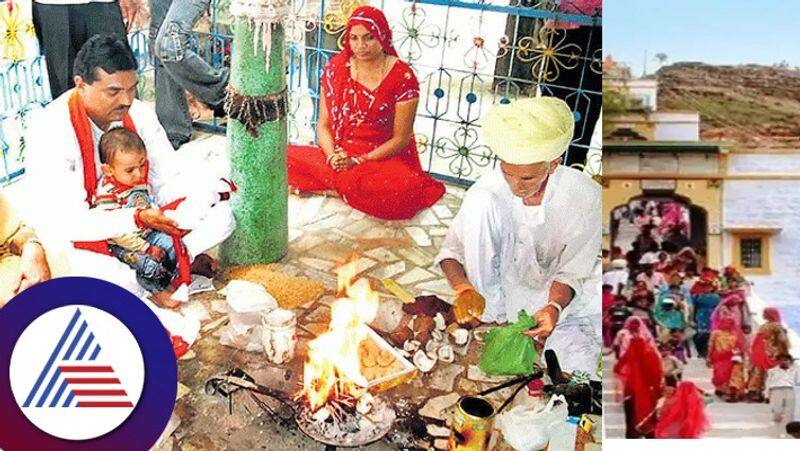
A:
[711,31]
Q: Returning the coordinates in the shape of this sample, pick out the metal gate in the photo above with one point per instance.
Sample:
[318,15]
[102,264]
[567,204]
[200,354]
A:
[468,55]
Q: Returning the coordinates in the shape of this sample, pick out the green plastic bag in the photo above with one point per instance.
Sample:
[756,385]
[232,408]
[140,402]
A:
[507,351]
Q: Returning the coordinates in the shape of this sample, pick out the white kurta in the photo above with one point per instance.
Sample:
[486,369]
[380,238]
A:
[615,278]
[512,253]
[54,170]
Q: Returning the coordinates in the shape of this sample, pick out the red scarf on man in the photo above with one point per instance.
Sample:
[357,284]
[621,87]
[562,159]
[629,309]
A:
[83,131]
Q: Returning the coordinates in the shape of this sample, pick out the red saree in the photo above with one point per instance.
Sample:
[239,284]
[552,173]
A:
[393,188]
[770,342]
[683,415]
[642,377]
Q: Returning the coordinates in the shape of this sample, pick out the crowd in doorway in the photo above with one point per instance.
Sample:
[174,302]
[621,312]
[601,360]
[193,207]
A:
[662,306]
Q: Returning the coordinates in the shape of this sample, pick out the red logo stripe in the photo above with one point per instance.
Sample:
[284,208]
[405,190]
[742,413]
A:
[92,380]
[99,392]
[86,369]
[105,404]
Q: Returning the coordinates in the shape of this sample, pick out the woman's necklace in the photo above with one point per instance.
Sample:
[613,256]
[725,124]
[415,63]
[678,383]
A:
[372,97]
[383,71]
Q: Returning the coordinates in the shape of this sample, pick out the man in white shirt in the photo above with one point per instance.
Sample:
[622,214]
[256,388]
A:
[528,235]
[652,278]
[63,26]
[63,167]
[618,276]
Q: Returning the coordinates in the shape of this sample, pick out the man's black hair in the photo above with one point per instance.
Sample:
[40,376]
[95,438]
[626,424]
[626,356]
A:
[793,427]
[103,51]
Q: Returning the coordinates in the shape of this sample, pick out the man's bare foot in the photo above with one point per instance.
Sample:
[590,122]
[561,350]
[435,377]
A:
[204,265]
[164,299]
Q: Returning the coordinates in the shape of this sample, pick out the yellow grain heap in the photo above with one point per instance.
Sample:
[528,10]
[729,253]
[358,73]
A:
[290,291]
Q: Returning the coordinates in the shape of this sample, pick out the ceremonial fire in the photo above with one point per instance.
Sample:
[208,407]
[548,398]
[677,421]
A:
[332,379]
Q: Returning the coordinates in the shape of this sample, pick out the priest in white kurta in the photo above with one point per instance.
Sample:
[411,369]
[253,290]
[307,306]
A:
[55,168]
[527,236]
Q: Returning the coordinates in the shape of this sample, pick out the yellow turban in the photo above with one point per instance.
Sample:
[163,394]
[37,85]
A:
[529,131]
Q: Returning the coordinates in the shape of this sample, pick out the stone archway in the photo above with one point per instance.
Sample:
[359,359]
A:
[622,230]
[704,197]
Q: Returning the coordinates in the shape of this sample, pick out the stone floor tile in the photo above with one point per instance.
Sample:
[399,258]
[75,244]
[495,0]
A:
[382,254]
[389,271]
[414,276]
[442,211]
[419,236]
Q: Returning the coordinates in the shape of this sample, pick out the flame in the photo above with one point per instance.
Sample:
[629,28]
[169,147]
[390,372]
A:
[333,368]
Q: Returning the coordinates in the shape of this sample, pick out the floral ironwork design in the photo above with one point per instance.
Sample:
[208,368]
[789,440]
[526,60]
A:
[335,19]
[549,54]
[14,30]
[463,151]
[414,33]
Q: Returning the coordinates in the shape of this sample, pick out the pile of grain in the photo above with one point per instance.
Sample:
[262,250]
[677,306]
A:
[290,291]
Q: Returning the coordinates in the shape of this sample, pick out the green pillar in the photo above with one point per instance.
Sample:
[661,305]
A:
[258,163]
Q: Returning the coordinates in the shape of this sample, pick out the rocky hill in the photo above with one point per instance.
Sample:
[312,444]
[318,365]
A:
[749,105]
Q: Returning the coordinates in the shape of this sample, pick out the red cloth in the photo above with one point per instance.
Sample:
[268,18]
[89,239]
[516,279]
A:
[683,415]
[639,369]
[759,356]
[707,283]
[392,188]
[373,20]
[179,345]
[83,132]
[608,301]
[772,314]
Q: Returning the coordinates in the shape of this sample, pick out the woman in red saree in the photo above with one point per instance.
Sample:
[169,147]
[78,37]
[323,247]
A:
[726,355]
[770,342]
[367,152]
[639,370]
[683,414]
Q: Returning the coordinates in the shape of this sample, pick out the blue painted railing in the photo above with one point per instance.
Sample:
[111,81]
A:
[468,55]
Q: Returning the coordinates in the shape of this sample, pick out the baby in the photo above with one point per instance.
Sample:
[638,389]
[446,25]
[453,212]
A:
[151,253]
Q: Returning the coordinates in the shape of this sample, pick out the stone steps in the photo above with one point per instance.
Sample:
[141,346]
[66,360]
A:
[728,420]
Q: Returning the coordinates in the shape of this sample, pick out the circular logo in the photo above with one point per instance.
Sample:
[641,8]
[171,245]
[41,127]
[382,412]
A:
[81,360]
[89,366]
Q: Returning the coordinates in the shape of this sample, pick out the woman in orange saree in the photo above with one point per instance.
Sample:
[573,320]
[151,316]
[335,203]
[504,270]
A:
[726,356]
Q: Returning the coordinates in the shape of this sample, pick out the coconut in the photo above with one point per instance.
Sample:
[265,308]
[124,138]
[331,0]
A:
[446,354]
[460,336]
[411,345]
[423,362]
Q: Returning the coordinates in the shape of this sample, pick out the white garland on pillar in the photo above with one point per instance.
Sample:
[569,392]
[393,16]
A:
[264,15]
